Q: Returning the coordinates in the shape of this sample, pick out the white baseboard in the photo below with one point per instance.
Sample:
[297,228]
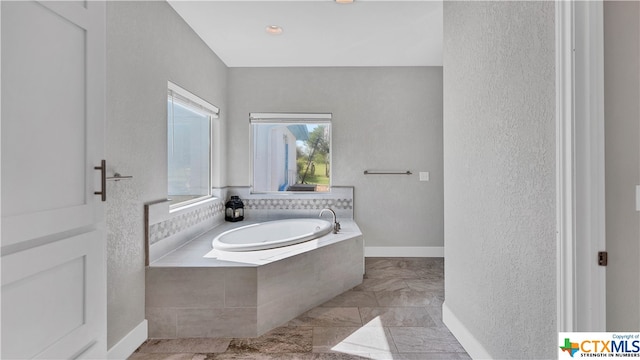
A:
[128,344]
[469,342]
[404,251]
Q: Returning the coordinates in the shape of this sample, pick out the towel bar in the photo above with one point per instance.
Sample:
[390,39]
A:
[384,172]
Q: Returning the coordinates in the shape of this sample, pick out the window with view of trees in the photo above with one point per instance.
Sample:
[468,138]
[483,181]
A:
[291,152]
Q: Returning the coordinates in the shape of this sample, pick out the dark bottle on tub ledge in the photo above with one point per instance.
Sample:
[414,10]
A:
[234,209]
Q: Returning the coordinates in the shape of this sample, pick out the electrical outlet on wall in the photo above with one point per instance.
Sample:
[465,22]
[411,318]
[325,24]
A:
[424,176]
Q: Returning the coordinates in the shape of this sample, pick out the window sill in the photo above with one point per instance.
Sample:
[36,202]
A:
[185,205]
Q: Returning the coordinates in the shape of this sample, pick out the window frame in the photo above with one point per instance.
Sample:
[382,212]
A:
[290,119]
[194,103]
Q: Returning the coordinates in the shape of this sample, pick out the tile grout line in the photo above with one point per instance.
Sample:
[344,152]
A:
[393,340]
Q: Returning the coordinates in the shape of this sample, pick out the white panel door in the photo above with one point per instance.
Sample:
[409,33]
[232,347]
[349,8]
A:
[53,236]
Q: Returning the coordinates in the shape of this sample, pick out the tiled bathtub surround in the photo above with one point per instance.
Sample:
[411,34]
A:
[192,291]
[188,295]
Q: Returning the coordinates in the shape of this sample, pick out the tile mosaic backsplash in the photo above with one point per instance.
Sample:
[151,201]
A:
[269,206]
[294,204]
[184,221]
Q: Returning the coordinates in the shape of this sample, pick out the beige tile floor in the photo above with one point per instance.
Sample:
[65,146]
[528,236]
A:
[395,314]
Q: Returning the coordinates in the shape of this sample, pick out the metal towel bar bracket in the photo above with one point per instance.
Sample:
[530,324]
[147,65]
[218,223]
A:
[384,172]
[118,177]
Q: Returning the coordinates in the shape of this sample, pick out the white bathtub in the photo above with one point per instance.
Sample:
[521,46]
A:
[271,234]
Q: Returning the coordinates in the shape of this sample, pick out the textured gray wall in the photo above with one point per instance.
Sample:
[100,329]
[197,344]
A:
[147,44]
[383,119]
[499,173]
[622,162]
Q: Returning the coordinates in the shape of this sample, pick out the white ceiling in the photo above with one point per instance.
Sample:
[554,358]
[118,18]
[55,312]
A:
[319,32]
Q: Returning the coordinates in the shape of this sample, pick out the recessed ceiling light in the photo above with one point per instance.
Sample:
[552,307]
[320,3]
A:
[274,30]
[344,1]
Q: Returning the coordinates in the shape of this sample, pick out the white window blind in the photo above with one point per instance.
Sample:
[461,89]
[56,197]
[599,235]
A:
[179,95]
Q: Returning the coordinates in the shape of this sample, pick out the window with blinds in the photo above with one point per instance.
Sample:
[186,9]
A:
[189,130]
